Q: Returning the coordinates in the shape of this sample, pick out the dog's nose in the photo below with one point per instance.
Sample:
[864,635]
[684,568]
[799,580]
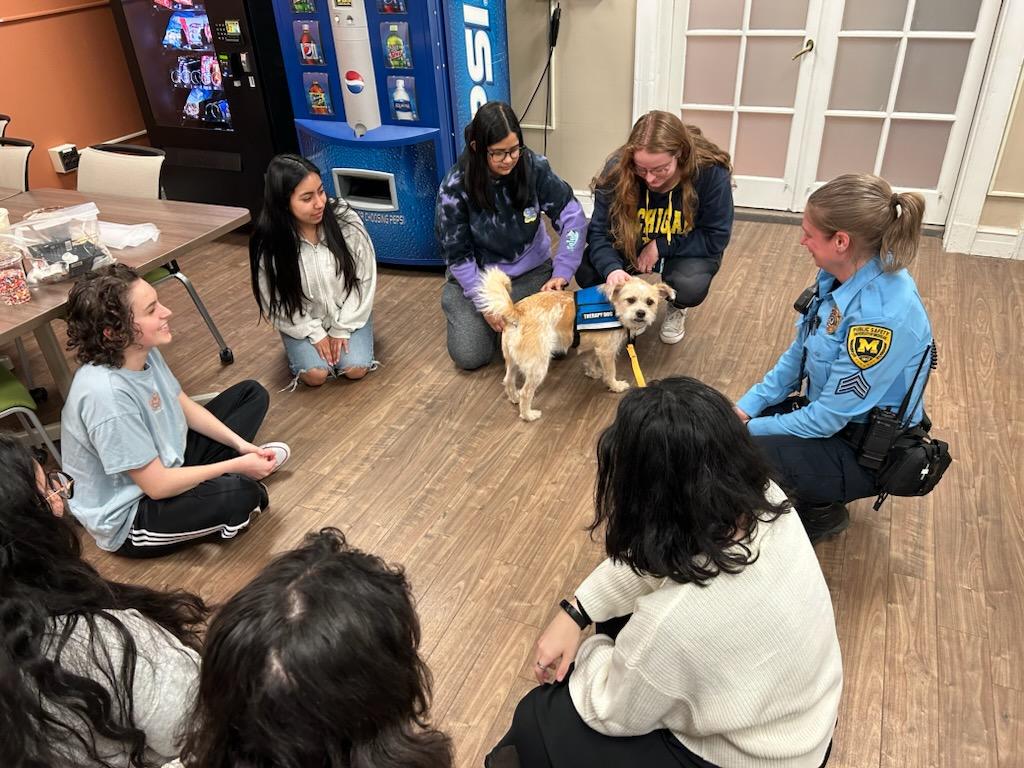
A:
[640,314]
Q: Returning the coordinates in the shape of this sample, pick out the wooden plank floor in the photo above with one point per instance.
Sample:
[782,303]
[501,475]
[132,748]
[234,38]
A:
[431,468]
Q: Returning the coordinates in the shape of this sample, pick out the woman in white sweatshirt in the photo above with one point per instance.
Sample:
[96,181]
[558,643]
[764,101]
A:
[715,643]
[314,273]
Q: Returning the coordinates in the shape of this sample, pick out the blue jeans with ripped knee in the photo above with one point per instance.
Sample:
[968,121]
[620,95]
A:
[302,355]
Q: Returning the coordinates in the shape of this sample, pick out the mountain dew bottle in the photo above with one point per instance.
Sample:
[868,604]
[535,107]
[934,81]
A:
[397,51]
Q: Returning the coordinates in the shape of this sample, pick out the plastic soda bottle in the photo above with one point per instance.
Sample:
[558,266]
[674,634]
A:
[307,47]
[398,57]
[317,99]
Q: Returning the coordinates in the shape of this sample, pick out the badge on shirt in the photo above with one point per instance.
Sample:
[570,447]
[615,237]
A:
[154,402]
[867,345]
[530,215]
[833,320]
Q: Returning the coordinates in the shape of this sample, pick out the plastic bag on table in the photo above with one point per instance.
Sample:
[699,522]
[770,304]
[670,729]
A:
[61,243]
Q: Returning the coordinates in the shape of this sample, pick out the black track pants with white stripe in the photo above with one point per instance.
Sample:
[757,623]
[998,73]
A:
[220,507]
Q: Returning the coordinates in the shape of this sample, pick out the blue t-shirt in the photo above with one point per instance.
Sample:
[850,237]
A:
[115,420]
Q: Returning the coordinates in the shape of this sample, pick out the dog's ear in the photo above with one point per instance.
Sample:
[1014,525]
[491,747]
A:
[666,291]
[610,292]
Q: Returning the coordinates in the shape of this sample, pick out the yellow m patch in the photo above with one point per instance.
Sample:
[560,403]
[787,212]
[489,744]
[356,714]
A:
[868,344]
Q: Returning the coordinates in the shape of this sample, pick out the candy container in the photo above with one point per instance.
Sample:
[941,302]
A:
[13,288]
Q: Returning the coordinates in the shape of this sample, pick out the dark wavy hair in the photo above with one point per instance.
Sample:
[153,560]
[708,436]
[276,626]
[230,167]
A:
[680,484]
[494,121]
[275,240]
[100,321]
[47,591]
[315,663]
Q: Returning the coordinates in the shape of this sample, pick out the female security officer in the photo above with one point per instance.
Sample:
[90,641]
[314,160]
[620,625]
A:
[860,343]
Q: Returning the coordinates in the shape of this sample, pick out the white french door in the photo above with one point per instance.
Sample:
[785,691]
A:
[800,91]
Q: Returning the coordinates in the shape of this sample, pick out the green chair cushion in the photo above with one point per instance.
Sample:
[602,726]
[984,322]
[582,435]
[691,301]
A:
[158,274]
[13,392]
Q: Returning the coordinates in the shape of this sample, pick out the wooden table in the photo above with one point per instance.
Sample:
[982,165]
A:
[183,228]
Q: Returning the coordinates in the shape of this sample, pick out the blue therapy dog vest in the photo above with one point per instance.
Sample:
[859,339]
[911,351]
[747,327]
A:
[593,313]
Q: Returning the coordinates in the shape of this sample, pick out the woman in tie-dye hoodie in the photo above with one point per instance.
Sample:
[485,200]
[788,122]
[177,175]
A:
[488,215]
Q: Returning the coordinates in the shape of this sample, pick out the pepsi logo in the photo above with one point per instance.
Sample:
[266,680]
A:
[354,81]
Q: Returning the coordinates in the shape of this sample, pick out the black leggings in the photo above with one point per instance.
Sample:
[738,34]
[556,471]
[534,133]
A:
[547,732]
[220,507]
[689,277]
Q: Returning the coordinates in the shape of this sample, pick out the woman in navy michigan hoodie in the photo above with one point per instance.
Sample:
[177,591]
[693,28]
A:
[663,203]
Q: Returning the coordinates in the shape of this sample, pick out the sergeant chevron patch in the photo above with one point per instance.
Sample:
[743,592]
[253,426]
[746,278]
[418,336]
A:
[856,383]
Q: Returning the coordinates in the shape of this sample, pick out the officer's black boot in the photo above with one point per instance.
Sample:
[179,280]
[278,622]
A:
[825,520]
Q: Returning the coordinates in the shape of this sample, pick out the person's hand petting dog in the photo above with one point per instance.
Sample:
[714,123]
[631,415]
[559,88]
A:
[555,284]
[617,277]
[556,648]
[648,257]
[497,324]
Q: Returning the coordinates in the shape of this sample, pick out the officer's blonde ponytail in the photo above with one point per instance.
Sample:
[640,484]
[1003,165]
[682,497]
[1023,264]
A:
[877,219]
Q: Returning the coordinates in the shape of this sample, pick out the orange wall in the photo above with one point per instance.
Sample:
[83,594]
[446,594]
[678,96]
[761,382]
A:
[63,79]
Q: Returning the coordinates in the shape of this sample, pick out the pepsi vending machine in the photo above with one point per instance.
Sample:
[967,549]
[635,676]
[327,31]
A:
[382,91]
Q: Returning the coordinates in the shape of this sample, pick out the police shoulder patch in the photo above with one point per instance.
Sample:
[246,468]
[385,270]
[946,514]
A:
[867,345]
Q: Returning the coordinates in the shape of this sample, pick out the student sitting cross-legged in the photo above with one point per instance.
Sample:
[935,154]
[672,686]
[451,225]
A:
[153,470]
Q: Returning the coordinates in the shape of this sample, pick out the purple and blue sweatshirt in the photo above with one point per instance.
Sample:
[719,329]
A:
[509,238]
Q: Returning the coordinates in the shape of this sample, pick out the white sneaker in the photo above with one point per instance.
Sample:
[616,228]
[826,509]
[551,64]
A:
[673,327]
[281,453]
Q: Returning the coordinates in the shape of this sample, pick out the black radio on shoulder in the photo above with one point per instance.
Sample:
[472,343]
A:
[882,429]
[803,301]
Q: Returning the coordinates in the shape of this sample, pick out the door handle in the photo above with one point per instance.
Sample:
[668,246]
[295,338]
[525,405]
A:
[808,47]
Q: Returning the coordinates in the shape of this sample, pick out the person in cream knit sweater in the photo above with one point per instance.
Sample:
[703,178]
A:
[716,644]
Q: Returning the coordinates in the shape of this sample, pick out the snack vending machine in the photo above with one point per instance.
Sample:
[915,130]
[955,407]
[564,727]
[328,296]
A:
[211,86]
[382,91]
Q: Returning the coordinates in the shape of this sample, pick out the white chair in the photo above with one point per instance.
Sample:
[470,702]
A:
[134,171]
[14,163]
[14,175]
[4,120]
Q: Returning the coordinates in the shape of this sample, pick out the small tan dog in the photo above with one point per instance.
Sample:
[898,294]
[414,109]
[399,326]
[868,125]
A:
[542,325]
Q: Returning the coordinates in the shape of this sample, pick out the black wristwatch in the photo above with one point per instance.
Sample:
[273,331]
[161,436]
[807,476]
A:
[579,616]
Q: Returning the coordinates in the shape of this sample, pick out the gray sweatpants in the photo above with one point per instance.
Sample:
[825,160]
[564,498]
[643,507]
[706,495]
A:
[471,342]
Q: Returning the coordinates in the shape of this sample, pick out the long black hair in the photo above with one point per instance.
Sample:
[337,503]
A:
[46,591]
[678,479]
[493,122]
[275,240]
[315,663]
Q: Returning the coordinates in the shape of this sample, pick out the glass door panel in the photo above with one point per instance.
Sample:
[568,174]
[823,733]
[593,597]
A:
[742,83]
[889,87]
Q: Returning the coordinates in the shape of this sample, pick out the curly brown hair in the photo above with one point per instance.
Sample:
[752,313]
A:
[100,320]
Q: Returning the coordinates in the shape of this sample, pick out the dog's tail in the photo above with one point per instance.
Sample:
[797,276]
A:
[494,295]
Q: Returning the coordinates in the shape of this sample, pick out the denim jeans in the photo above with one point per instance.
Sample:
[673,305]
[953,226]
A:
[302,355]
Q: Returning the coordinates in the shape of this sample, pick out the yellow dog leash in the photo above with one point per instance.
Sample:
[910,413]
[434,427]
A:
[637,373]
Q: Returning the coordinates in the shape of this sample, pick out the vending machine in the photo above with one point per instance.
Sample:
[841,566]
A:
[382,91]
[212,90]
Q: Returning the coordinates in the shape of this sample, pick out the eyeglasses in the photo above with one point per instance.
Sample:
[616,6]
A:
[497,155]
[59,484]
[658,172]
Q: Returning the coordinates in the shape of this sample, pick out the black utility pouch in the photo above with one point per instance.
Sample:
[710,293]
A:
[915,464]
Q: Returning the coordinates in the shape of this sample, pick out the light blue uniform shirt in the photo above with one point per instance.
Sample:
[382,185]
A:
[115,420]
[863,343]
